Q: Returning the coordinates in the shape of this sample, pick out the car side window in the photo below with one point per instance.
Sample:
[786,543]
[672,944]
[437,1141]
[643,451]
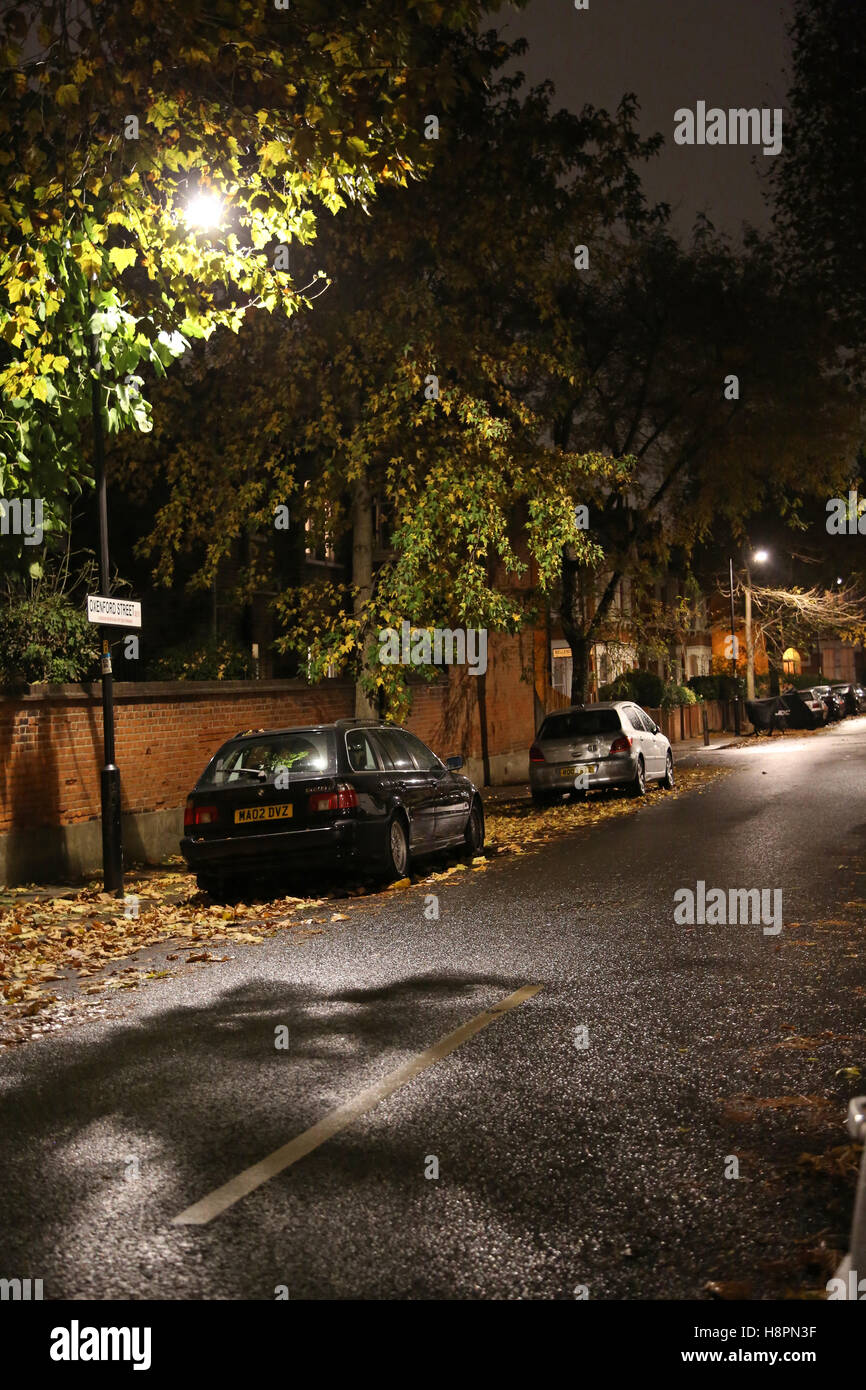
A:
[646,722]
[362,757]
[395,753]
[425,758]
[635,718]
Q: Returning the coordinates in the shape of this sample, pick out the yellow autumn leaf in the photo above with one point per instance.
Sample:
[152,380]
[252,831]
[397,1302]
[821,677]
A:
[67,95]
[121,256]
[273,155]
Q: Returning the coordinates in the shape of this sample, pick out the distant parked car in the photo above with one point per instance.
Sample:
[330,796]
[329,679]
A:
[808,710]
[834,703]
[353,793]
[615,744]
[854,697]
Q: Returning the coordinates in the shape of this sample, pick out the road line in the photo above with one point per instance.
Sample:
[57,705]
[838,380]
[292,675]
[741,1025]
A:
[223,1197]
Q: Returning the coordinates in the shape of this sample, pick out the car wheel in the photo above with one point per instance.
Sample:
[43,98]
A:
[668,780]
[474,835]
[397,850]
[638,784]
[209,883]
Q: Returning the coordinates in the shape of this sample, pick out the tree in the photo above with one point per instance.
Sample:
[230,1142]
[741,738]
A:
[715,377]
[414,381]
[798,617]
[114,116]
[816,184]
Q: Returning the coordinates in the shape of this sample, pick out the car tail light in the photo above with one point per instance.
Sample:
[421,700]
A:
[345,798]
[199,815]
[536,755]
[621,744]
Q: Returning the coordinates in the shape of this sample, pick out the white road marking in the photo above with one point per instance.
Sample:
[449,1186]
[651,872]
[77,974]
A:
[223,1197]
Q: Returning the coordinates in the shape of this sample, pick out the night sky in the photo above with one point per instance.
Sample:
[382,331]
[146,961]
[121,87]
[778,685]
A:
[671,53]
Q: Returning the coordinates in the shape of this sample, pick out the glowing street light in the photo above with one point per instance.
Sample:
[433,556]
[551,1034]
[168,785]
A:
[204,210]
[759,557]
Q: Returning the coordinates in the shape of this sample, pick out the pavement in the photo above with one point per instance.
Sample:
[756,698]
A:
[531,1083]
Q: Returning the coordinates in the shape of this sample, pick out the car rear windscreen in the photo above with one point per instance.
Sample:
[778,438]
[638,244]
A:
[580,723]
[302,753]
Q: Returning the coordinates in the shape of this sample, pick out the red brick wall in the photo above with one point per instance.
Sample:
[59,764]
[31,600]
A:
[51,743]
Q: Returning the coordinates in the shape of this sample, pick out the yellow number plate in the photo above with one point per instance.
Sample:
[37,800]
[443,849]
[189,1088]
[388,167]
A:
[251,813]
[573,771]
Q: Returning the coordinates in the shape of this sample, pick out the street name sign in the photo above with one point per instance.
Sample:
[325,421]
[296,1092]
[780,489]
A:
[113,612]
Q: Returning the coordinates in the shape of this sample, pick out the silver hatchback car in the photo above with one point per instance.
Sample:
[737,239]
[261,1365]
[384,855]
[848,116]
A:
[602,745]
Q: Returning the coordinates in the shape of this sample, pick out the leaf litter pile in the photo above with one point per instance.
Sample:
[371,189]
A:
[518,824]
[73,936]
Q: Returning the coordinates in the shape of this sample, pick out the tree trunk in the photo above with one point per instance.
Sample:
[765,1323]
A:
[572,618]
[750,645]
[362,578]
[580,634]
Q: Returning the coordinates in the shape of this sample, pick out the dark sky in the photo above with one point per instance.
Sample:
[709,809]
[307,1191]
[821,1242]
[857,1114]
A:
[671,53]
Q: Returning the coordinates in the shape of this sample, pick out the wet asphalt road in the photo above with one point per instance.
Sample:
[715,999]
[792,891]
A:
[561,1166]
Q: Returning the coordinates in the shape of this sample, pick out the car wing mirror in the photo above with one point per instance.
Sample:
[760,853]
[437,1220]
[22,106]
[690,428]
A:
[454,763]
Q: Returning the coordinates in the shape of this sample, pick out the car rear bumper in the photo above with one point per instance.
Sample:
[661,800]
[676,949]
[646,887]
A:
[336,843]
[611,771]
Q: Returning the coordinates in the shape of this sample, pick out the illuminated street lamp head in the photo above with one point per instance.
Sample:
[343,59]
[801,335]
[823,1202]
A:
[760,557]
[204,210]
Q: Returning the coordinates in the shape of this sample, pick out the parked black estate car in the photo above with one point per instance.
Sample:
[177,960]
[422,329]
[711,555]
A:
[356,793]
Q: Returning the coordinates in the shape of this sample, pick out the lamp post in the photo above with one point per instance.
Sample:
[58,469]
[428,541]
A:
[734,649]
[760,557]
[204,211]
[109,780]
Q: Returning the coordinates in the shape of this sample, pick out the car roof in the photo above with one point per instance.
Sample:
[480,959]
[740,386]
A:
[338,724]
[597,704]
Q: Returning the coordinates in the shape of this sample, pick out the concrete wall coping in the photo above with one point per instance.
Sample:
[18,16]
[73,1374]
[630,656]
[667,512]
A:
[164,690]
[91,692]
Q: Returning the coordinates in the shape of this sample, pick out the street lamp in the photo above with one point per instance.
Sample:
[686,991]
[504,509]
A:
[112,833]
[205,210]
[760,557]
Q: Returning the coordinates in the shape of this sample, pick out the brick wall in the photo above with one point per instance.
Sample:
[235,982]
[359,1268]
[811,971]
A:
[51,741]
